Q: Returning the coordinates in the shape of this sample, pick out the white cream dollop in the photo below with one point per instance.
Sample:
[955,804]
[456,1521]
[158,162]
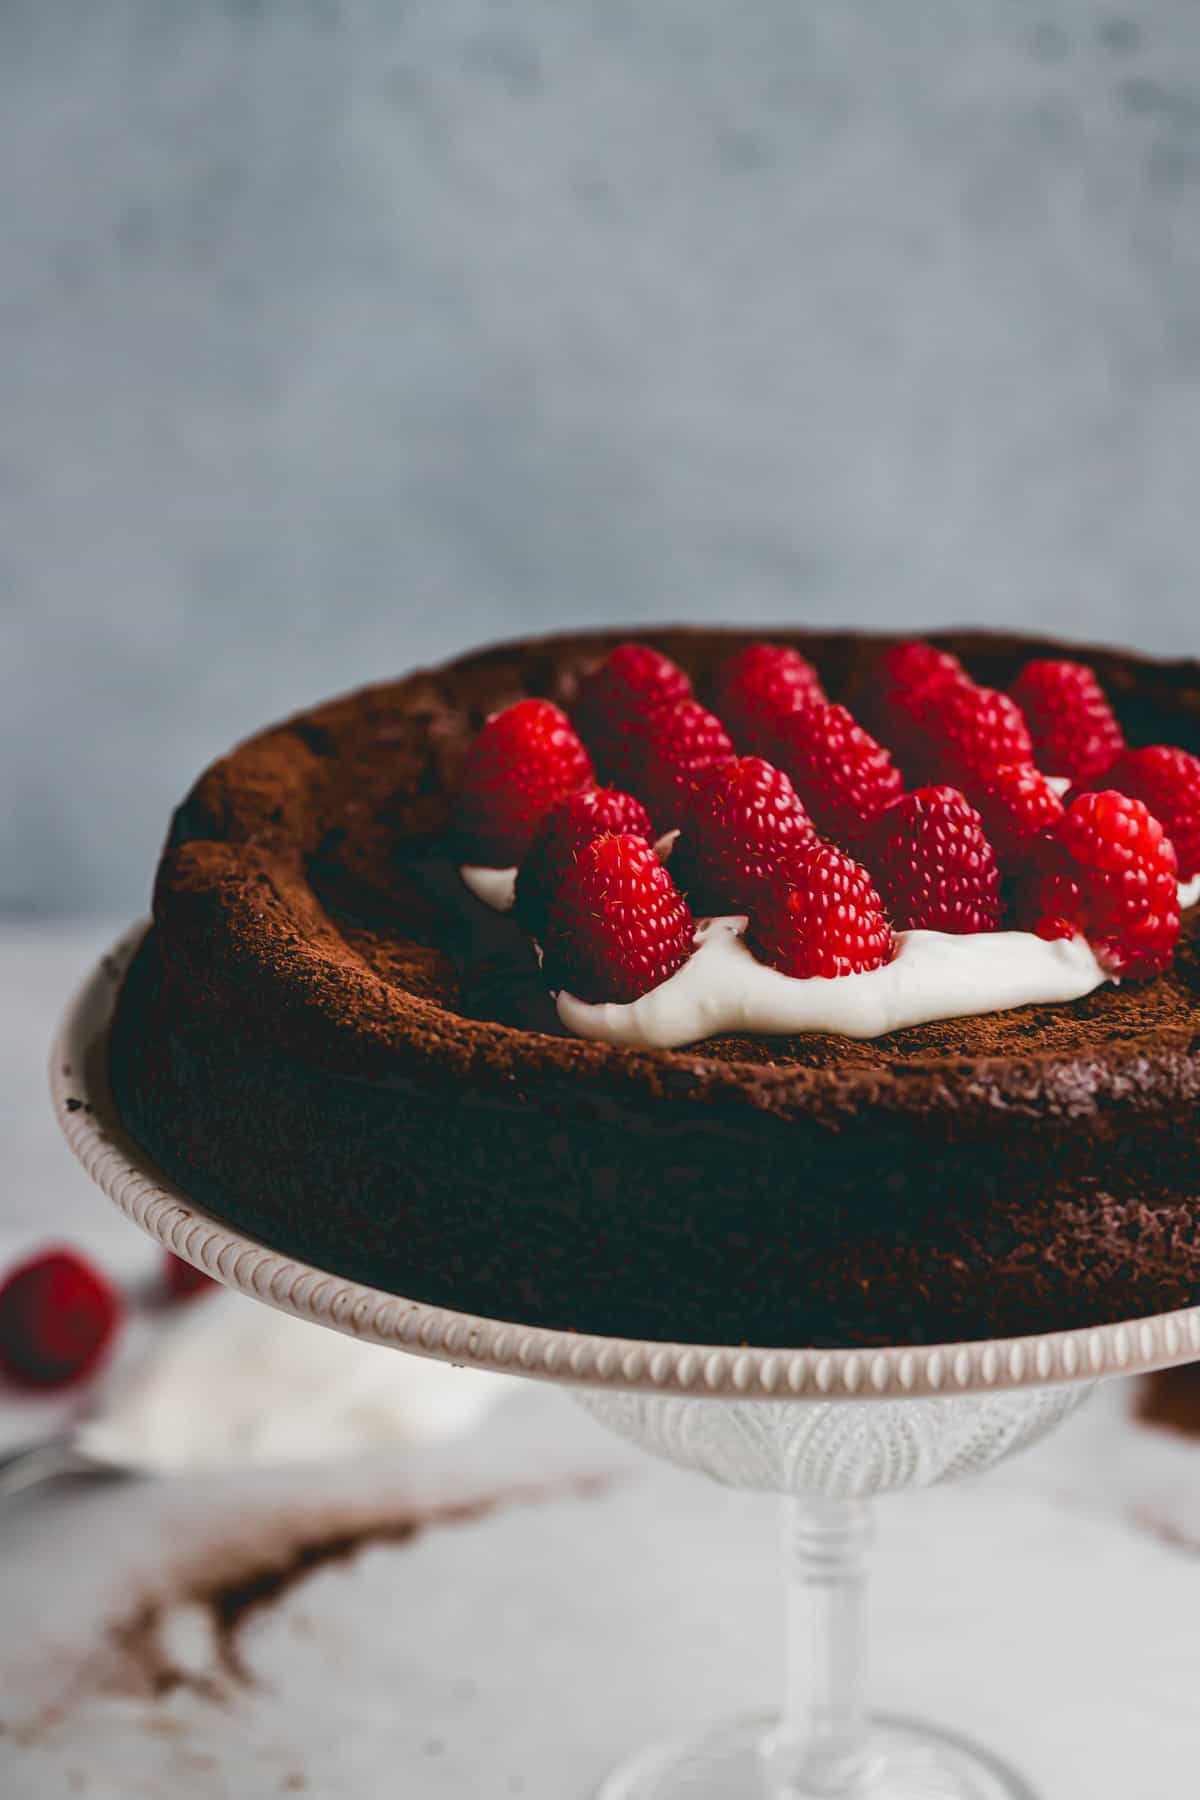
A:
[234,1384]
[497,888]
[724,988]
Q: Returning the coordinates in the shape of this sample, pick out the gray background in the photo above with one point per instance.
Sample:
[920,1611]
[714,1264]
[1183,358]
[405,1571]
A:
[336,335]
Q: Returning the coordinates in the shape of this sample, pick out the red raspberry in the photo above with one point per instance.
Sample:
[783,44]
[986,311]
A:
[1074,729]
[1108,870]
[966,729]
[935,869]
[742,825]
[523,760]
[916,664]
[58,1316]
[888,693]
[1017,804]
[1168,781]
[618,925]
[631,681]
[823,917]
[672,749]
[843,777]
[183,1280]
[758,686]
[569,827]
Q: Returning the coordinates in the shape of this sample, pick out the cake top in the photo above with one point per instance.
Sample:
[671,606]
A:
[313,873]
[877,897]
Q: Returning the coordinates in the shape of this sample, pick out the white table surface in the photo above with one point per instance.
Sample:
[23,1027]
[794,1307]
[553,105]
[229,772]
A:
[509,1614]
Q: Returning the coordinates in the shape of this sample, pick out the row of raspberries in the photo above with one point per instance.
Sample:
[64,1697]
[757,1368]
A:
[787,807]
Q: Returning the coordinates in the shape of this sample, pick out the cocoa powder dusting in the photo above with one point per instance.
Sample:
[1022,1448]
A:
[234,1582]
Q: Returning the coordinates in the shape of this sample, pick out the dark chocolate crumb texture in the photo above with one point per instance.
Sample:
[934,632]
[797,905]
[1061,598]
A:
[329,1043]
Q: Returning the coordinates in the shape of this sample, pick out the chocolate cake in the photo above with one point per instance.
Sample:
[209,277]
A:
[326,1041]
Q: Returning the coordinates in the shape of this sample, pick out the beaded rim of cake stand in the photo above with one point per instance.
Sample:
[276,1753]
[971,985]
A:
[83,1108]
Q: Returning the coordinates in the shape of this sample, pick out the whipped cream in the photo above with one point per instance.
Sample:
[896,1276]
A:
[723,988]
[235,1384]
[497,888]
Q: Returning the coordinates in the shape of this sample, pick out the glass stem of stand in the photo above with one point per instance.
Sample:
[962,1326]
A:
[821,1749]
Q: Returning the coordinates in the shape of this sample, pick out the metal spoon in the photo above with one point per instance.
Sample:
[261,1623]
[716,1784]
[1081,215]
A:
[52,1460]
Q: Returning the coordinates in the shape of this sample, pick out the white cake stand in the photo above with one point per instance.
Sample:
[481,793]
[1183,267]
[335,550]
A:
[829,1429]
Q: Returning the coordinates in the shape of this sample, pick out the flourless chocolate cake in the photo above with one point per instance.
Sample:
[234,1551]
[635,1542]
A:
[326,1040]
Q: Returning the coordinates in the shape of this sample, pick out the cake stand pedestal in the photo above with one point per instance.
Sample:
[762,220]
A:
[827,1429]
[829,1458]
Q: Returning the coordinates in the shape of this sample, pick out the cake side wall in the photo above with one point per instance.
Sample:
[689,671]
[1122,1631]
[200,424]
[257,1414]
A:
[672,1225]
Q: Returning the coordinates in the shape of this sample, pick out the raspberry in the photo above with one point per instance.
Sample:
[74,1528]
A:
[58,1316]
[934,867]
[1017,804]
[888,694]
[1168,781]
[915,664]
[630,682]
[843,777]
[1108,870]
[966,729]
[618,925]
[523,760]
[741,826]
[1074,729]
[183,1280]
[757,687]
[569,827]
[671,750]
[823,917]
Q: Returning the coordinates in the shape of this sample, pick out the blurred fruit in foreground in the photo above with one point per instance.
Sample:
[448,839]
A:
[182,1280]
[58,1317]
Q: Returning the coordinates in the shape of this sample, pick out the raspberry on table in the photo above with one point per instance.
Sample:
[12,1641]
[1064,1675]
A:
[617,925]
[1016,804]
[1108,870]
[757,687]
[742,824]
[822,917]
[58,1317]
[844,777]
[1168,781]
[632,680]
[1074,729]
[933,864]
[183,1280]
[569,827]
[524,759]
[671,750]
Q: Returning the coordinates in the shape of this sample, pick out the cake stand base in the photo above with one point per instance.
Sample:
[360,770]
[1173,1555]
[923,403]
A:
[911,1761]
